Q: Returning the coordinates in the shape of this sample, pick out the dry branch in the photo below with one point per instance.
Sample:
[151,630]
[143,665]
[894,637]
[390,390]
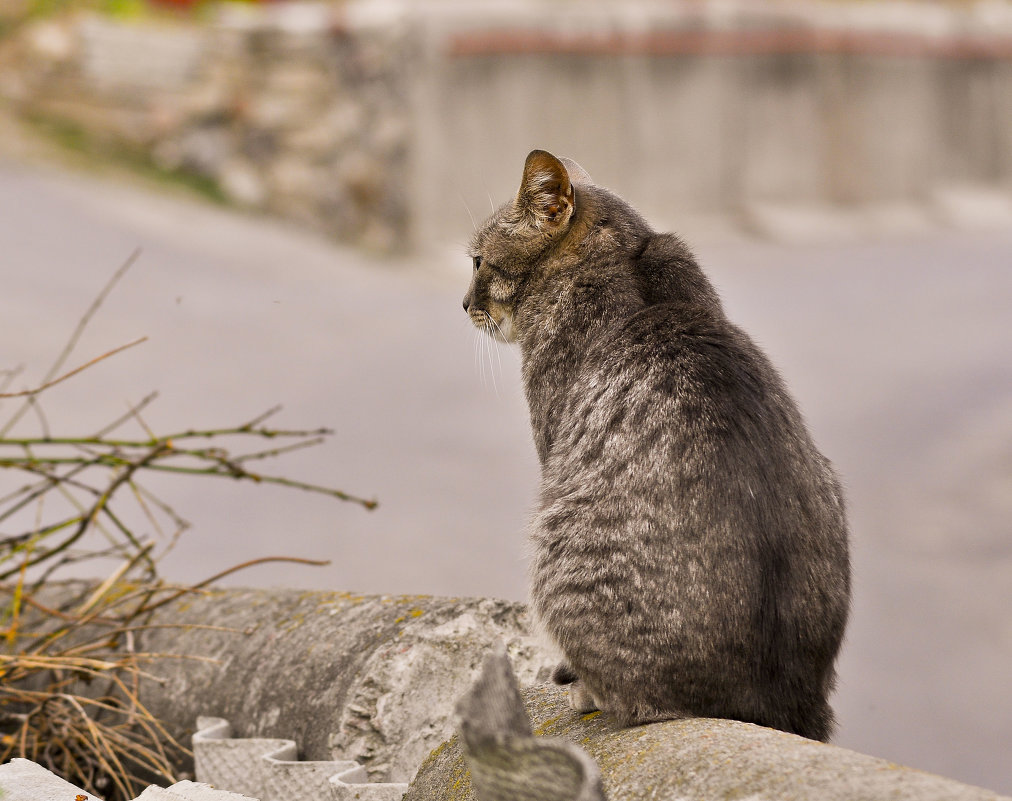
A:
[54,641]
[80,368]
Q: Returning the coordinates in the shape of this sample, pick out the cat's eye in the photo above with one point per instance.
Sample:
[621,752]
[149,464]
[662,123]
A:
[477,262]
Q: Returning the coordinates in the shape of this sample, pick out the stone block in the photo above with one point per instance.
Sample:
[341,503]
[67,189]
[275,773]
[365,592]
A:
[128,56]
[24,780]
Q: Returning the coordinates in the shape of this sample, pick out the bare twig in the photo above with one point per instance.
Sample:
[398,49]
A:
[259,478]
[269,454]
[218,576]
[31,393]
[86,520]
[130,414]
[251,424]
[43,422]
[78,330]
[33,492]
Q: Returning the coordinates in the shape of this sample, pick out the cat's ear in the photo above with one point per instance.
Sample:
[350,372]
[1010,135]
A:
[577,174]
[546,194]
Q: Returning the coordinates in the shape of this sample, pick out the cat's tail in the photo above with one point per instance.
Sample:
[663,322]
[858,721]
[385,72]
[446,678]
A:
[564,674]
[794,705]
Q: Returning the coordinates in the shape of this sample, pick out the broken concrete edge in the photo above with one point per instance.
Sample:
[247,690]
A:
[24,780]
[506,761]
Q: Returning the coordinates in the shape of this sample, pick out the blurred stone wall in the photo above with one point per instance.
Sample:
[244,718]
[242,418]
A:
[389,123]
[293,109]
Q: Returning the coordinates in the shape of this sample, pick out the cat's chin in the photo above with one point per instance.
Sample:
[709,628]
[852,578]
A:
[501,330]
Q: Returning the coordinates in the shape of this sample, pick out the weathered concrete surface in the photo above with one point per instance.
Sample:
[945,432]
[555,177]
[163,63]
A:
[189,791]
[701,759]
[347,677]
[381,675]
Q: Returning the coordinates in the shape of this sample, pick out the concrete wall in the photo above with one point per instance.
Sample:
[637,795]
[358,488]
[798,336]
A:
[695,109]
[389,123]
[364,678]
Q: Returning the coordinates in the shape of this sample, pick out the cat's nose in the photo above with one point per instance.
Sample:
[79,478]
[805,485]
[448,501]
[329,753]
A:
[467,301]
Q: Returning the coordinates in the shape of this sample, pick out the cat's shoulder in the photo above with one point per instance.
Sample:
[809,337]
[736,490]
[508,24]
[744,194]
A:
[667,272]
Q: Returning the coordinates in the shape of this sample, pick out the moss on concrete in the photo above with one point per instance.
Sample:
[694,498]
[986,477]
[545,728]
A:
[708,760]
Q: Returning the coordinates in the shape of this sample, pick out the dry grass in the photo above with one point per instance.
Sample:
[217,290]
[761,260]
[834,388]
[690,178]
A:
[71,676]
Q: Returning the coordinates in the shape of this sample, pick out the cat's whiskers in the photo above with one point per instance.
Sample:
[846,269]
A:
[479,343]
[489,340]
[484,326]
[492,365]
[493,345]
[477,336]
[497,328]
[476,342]
[474,225]
[501,337]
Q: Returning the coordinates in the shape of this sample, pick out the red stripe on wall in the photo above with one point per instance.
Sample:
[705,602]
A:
[728,43]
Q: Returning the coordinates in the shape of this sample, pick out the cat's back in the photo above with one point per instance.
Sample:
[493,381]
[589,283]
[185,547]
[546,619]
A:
[674,369]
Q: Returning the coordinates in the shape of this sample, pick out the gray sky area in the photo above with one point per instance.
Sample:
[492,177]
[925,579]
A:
[899,351]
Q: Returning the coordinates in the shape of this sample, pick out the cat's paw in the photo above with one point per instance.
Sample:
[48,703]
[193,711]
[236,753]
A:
[580,698]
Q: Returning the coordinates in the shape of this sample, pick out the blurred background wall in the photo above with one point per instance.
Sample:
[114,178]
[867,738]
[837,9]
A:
[377,121]
[887,111]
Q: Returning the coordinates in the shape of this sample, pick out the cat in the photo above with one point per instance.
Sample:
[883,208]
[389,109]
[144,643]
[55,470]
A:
[689,547]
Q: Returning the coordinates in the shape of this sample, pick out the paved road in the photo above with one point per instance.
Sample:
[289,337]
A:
[899,350]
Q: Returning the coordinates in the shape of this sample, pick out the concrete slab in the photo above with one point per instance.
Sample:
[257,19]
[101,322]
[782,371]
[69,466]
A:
[24,780]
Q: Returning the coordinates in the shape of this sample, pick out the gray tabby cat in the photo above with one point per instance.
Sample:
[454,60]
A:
[690,544]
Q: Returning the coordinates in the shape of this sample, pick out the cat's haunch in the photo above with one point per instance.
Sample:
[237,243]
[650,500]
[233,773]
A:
[690,542]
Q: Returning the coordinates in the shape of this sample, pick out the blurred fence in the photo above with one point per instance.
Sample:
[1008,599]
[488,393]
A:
[378,121]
